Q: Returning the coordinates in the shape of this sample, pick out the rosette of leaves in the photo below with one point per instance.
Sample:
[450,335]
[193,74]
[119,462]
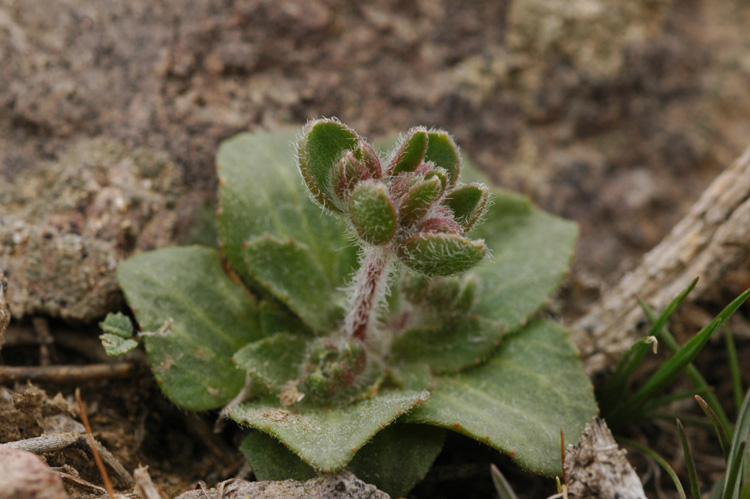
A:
[353,337]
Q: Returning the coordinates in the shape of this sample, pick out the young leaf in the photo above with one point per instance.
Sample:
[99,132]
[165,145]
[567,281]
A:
[324,142]
[115,345]
[260,193]
[328,439]
[417,201]
[409,156]
[273,360]
[372,213]
[518,401]
[207,318]
[443,153]
[441,254]
[467,204]
[117,324]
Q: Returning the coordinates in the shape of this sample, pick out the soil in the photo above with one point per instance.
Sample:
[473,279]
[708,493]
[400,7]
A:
[614,113]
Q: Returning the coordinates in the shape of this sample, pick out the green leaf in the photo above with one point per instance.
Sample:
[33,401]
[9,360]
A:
[115,345]
[395,460]
[660,460]
[271,460]
[530,253]
[327,438]
[418,200]
[518,401]
[450,344]
[274,360]
[443,152]
[117,324]
[411,152]
[324,142]
[260,193]
[467,204]
[372,212]
[204,317]
[398,458]
[441,254]
[288,270]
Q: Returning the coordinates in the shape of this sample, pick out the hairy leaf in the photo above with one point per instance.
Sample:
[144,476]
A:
[260,193]
[519,400]
[443,152]
[327,438]
[441,254]
[197,318]
[395,460]
[273,360]
[289,271]
[322,145]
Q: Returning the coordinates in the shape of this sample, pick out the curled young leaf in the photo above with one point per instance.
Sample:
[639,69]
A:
[443,152]
[366,155]
[322,145]
[411,152]
[418,200]
[441,254]
[467,203]
[347,174]
[372,213]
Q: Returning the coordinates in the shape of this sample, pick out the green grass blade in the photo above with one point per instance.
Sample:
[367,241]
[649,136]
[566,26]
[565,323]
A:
[660,321]
[734,368]
[662,462]
[745,492]
[741,429]
[672,397]
[670,369]
[696,378]
[733,472]
[502,487]
[720,431]
[695,489]
[619,382]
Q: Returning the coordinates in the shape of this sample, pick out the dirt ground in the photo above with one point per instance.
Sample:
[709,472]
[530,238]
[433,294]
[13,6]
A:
[614,113]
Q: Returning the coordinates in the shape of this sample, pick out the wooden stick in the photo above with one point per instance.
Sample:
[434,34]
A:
[66,374]
[713,238]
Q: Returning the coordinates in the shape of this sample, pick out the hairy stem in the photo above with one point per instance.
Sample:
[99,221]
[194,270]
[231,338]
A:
[369,291]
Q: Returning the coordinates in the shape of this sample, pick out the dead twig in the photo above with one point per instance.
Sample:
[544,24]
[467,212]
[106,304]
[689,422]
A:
[144,485]
[66,374]
[711,239]
[52,442]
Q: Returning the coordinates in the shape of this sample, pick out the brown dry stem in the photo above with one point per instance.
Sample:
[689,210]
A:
[66,374]
[711,239]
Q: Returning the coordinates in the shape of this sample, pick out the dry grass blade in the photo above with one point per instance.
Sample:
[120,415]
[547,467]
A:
[92,444]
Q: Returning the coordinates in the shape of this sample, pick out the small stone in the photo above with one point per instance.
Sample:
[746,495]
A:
[22,474]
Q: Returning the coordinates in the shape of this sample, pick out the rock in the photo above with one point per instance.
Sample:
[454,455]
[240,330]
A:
[342,485]
[99,202]
[23,475]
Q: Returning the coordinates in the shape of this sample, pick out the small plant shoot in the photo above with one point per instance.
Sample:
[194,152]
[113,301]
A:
[360,304]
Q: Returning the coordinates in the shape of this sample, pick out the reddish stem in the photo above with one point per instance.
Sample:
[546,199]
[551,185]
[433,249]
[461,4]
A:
[368,293]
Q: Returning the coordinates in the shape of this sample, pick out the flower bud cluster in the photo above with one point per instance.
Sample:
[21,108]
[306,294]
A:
[411,205]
